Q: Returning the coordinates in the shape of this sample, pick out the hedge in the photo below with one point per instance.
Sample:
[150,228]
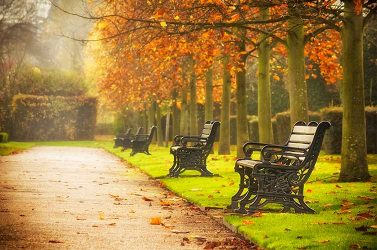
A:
[53,118]
[333,139]
[3,137]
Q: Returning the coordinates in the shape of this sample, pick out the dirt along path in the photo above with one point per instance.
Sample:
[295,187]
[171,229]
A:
[83,198]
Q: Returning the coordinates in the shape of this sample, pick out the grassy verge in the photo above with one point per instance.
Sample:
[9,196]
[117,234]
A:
[346,212]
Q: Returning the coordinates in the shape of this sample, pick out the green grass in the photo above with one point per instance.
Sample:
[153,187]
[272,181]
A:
[330,228]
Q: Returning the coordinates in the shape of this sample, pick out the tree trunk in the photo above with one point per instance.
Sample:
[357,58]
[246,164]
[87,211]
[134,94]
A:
[264,90]
[242,122]
[298,100]
[145,120]
[354,165]
[160,135]
[175,111]
[208,108]
[151,119]
[184,113]
[184,122]
[167,129]
[224,144]
[193,100]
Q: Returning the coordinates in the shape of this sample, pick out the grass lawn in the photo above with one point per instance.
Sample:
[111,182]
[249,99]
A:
[346,212]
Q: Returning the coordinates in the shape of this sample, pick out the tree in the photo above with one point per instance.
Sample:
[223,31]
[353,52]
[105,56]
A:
[354,153]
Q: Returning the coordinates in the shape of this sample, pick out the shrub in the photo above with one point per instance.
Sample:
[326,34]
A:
[333,139]
[104,129]
[33,81]
[53,117]
[3,137]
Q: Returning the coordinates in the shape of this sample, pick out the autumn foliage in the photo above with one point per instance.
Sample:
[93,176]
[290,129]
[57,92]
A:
[144,45]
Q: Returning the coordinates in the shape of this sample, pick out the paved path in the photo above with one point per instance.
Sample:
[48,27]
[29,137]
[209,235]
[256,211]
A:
[82,198]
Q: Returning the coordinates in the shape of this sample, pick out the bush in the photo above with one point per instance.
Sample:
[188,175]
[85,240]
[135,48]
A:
[53,118]
[104,129]
[3,137]
[333,140]
[33,81]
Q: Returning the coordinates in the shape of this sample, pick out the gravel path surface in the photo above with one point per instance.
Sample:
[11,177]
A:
[83,198]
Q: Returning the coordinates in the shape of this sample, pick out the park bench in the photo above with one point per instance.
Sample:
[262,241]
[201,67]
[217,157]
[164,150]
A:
[118,140]
[281,172]
[191,152]
[127,140]
[142,141]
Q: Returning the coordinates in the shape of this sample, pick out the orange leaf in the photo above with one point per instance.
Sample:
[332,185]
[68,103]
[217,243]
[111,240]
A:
[248,222]
[147,199]
[155,221]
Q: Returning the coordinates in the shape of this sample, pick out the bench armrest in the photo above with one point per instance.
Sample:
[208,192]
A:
[269,151]
[197,139]
[141,137]
[250,147]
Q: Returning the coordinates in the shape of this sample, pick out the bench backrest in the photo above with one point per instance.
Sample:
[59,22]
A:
[139,130]
[151,133]
[208,134]
[308,137]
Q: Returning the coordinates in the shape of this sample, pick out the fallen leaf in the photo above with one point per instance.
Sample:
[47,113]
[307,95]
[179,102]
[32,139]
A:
[101,215]
[147,199]
[112,224]
[366,198]
[212,244]
[309,190]
[257,214]
[324,241]
[55,241]
[361,229]
[248,222]
[338,186]
[365,215]
[373,226]
[355,246]
[328,205]
[155,221]
[179,232]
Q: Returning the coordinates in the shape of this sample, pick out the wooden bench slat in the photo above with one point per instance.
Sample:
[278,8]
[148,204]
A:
[298,145]
[300,138]
[304,130]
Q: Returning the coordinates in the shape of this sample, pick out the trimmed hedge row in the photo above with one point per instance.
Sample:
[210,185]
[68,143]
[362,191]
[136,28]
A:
[53,118]
[333,140]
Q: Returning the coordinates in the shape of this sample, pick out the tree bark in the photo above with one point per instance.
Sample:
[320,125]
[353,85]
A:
[193,100]
[242,122]
[264,90]
[151,119]
[208,108]
[354,165]
[184,121]
[160,135]
[298,100]
[175,111]
[184,113]
[224,144]
[167,128]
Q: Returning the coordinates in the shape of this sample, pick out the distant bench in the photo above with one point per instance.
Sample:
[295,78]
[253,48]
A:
[191,152]
[281,172]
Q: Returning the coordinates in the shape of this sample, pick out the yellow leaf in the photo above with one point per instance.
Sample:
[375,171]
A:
[155,221]
[101,215]
[163,24]
[176,18]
